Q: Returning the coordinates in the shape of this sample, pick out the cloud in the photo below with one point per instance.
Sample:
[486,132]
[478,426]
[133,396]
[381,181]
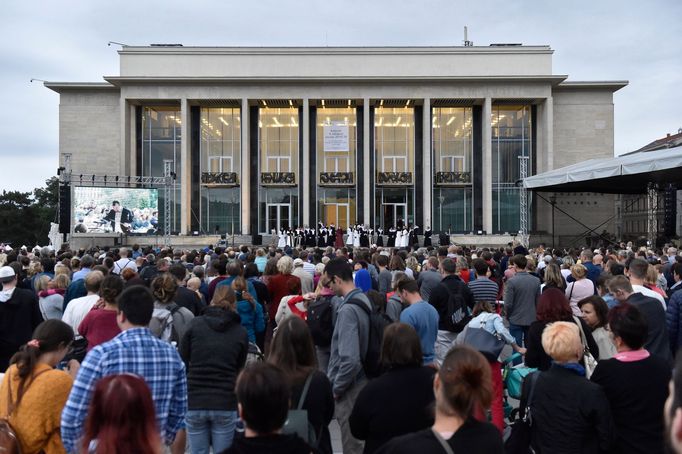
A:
[593,40]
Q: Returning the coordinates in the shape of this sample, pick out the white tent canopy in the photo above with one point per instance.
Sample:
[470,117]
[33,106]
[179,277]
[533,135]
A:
[628,174]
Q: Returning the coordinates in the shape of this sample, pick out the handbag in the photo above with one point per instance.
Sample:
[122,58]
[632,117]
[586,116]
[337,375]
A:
[519,437]
[589,359]
[490,345]
[9,440]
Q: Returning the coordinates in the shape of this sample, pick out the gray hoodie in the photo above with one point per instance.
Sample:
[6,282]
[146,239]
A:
[349,344]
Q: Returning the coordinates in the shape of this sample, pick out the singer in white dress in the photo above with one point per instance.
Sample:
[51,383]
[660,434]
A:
[282,242]
[349,238]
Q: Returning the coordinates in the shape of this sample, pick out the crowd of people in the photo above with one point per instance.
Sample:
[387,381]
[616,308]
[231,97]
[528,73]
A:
[257,349]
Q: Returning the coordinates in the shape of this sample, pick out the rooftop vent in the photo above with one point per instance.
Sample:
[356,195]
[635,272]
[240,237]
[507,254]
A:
[505,44]
[166,45]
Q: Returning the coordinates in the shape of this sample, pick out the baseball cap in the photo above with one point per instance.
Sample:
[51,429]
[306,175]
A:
[6,274]
[298,262]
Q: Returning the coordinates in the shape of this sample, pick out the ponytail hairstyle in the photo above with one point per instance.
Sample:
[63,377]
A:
[240,286]
[111,287]
[465,382]
[49,336]
[224,297]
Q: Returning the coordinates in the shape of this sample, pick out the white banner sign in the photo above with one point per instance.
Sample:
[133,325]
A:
[336,138]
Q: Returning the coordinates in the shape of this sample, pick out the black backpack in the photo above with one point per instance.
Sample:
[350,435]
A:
[377,323]
[320,321]
[458,315]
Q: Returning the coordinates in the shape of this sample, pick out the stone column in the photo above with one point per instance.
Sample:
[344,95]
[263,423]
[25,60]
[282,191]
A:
[305,176]
[245,180]
[367,133]
[487,174]
[548,132]
[427,160]
[185,168]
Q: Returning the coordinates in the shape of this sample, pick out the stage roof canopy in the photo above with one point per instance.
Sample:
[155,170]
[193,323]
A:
[621,175]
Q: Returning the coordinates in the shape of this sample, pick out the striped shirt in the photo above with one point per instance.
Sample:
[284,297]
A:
[483,289]
[138,352]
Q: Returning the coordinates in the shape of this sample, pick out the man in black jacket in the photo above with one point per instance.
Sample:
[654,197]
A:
[19,316]
[450,287]
[185,297]
[657,342]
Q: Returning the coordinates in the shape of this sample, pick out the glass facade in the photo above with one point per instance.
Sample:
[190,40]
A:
[161,137]
[452,154]
[511,139]
[278,179]
[336,151]
[394,140]
[220,169]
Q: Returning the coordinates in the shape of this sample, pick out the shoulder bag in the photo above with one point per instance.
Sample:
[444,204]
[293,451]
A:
[519,438]
[446,447]
[489,344]
[9,440]
[590,360]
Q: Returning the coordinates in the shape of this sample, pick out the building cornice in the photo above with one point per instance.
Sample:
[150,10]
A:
[377,50]
[121,81]
[613,85]
[60,87]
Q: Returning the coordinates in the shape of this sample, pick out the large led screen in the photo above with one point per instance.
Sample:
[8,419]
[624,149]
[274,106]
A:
[115,210]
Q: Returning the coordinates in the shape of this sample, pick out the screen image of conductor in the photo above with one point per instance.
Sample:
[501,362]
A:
[115,210]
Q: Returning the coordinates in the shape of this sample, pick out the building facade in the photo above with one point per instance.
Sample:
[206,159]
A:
[268,138]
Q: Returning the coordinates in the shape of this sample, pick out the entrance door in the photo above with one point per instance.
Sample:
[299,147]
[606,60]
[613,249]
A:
[337,214]
[278,216]
[393,212]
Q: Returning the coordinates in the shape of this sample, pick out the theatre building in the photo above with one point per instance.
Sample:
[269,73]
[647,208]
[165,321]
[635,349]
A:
[266,138]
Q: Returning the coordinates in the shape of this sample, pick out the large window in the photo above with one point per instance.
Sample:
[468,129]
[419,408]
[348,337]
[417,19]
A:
[511,140]
[161,138]
[336,143]
[394,139]
[278,140]
[220,170]
[452,145]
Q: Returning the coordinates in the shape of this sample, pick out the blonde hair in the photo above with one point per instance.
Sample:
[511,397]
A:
[578,271]
[61,281]
[42,283]
[561,341]
[224,297]
[285,265]
[651,275]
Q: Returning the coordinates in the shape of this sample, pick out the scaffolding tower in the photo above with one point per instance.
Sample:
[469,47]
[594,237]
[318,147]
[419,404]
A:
[523,201]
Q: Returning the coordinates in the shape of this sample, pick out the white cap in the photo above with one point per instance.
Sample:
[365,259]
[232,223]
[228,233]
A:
[7,273]
[298,262]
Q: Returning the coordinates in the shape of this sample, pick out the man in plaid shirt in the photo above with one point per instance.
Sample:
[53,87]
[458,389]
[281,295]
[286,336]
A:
[135,351]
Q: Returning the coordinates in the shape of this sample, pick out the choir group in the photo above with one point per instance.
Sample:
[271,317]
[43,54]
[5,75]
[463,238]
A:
[400,236]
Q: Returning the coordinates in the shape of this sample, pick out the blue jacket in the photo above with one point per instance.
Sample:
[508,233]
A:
[251,319]
[593,272]
[673,320]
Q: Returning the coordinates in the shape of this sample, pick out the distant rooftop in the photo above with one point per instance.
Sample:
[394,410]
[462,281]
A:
[669,141]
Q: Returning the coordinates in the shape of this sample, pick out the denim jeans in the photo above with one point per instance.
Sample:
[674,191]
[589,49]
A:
[206,428]
[519,333]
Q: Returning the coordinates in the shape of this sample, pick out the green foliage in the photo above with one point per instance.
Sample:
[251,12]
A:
[25,216]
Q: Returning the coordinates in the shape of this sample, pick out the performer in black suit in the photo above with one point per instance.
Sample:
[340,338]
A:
[321,234]
[427,237]
[121,218]
[414,237]
[380,236]
[331,237]
[364,237]
[391,237]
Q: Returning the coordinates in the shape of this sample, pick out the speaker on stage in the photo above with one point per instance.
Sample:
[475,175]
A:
[64,208]
[257,240]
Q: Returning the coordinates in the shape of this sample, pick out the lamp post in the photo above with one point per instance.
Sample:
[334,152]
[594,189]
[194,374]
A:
[232,202]
[552,201]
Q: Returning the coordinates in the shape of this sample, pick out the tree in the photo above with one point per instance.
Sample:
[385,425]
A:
[25,216]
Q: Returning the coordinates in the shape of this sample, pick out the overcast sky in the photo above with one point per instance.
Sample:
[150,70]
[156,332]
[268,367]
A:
[639,41]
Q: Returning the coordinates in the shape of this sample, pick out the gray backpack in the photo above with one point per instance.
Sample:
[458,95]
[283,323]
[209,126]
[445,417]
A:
[297,419]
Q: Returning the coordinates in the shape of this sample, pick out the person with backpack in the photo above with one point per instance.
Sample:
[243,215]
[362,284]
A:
[349,346]
[311,392]
[320,322]
[453,301]
[169,321]
[250,312]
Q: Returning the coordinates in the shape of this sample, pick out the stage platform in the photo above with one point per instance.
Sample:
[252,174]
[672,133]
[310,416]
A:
[201,241]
